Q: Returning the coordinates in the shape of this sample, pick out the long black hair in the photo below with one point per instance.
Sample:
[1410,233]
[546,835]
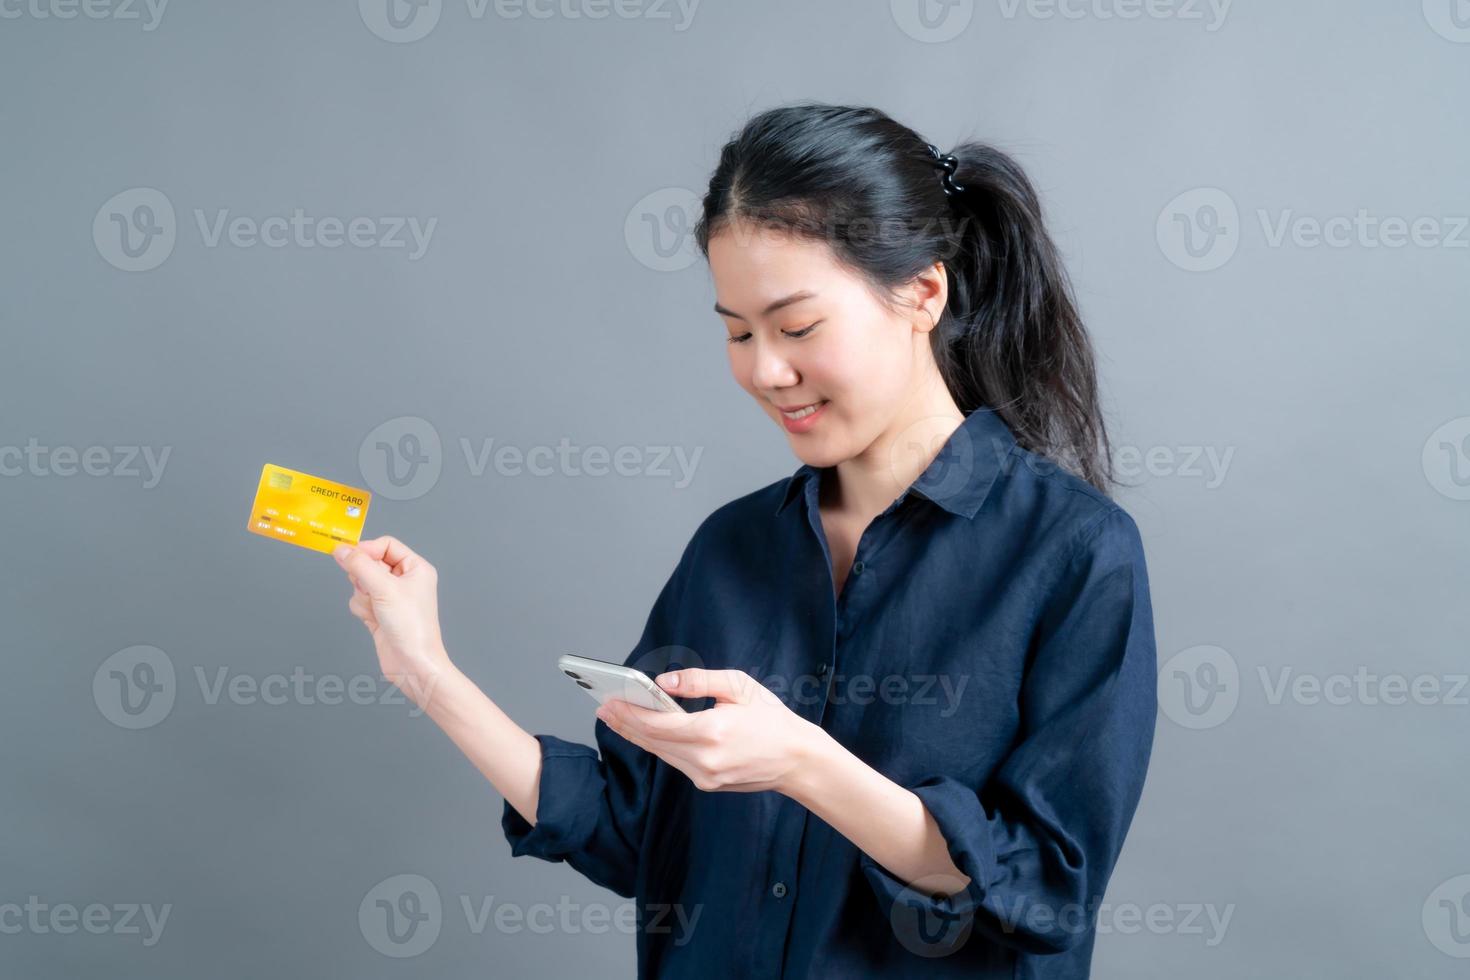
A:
[1010,338]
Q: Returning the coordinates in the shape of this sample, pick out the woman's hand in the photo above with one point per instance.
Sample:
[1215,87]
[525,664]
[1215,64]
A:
[749,740]
[395,594]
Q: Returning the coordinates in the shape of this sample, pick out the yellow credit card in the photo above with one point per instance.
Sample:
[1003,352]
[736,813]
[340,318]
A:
[306,510]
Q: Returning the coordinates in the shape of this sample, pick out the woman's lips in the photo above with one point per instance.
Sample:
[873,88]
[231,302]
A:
[806,421]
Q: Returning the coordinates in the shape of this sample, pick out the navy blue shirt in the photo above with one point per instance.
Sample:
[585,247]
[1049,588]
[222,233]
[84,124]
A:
[992,650]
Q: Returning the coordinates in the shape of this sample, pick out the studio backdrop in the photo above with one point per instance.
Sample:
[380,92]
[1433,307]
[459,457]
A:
[442,251]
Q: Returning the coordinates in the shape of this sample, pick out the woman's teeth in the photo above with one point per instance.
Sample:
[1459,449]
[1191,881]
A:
[802,413]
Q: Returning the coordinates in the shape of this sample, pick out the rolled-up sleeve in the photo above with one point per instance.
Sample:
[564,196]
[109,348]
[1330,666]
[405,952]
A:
[1040,838]
[590,810]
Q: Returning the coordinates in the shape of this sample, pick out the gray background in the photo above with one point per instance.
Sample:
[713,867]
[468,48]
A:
[1334,542]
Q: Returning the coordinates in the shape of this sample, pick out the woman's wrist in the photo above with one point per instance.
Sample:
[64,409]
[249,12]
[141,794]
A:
[814,757]
[436,689]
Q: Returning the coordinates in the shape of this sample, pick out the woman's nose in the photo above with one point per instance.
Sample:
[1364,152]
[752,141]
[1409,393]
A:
[771,370]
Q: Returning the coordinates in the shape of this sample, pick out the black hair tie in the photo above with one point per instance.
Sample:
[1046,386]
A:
[950,163]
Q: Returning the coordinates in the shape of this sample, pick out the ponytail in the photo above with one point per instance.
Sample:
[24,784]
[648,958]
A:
[1011,338]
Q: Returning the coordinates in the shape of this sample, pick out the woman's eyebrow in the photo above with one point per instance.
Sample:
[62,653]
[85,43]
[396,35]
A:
[784,301]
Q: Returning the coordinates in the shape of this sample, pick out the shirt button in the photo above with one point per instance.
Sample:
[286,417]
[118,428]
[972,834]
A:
[857,568]
[779,889]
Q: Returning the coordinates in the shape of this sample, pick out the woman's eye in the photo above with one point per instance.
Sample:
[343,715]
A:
[794,333]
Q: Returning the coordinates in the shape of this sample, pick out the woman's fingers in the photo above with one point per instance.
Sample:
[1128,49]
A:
[666,726]
[361,606]
[389,550]
[671,726]
[611,720]
[674,753]
[369,572]
[723,685]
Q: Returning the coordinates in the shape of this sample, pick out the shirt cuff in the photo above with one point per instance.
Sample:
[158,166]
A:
[924,923]
[566,805]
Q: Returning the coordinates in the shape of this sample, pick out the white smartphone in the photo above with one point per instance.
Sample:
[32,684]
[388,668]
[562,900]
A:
[604,680]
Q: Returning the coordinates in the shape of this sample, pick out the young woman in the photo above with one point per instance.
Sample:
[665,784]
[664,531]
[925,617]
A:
[925,661]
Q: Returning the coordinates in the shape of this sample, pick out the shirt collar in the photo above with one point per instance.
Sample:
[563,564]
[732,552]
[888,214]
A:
[960,476]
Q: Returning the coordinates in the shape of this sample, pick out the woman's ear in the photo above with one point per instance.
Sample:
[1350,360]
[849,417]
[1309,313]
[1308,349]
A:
[927,293]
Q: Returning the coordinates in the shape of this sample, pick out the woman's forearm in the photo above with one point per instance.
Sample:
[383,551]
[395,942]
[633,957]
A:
[883,819]
[880,817]
[504,752]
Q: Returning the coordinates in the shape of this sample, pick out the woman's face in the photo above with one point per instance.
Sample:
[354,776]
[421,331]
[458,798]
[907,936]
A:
[805,330]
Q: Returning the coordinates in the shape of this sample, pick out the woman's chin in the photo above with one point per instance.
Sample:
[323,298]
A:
[815,454]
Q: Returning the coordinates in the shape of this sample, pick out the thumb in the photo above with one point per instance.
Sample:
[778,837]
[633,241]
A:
[698,682]
[372,574]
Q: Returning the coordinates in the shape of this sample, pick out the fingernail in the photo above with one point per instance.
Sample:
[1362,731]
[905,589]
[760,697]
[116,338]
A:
[341,552]
[668,680]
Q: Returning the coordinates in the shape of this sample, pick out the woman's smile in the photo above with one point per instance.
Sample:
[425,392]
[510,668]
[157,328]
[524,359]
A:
[803,418]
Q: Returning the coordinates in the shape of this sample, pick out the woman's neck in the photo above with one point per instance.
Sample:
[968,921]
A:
[867,483]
